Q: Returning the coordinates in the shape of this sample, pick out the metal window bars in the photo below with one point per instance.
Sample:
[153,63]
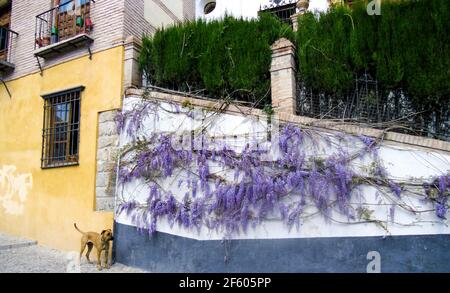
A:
[7,38]
[61,129]
[62,22]
[282,9]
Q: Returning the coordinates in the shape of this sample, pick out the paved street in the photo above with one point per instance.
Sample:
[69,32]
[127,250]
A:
[25,256]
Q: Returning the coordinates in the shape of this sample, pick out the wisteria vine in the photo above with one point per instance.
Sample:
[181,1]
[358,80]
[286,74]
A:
[259,188]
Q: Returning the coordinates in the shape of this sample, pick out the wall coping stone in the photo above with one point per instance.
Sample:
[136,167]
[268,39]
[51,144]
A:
[330,125]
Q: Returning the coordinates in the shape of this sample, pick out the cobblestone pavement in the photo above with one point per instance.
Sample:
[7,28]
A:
[25,256]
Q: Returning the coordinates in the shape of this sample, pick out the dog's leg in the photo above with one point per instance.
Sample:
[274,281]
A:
[83,246]
[90,246]
[107,262]
[99,259]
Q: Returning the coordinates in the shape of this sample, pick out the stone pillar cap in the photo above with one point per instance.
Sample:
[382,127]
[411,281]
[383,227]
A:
[303,4]
[282,43]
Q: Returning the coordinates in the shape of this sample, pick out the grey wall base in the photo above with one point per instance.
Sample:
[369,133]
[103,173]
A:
[167,253]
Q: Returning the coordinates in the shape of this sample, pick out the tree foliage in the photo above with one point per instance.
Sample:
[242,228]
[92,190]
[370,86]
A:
[406,47]
[228,57]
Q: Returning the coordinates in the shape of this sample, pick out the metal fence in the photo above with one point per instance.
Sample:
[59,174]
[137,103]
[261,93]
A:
[282,9]
[368,103]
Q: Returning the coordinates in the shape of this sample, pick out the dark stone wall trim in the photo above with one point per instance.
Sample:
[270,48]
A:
[165,253]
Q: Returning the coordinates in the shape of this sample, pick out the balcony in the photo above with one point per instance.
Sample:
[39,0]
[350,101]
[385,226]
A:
[7,38]
[282,9]
[65,27]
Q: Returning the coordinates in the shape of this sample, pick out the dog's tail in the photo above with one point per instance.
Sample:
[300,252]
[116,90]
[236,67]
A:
[75,225]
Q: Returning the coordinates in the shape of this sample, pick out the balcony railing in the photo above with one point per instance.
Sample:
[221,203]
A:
[63,22]
[7,38]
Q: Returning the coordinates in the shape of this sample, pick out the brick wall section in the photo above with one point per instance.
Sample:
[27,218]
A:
[107,150]
[132,76]
[134,23]
[107,17]
[114,21]
[283,77]
[188,10]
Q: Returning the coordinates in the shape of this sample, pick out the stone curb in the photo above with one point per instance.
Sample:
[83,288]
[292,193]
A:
[18,245]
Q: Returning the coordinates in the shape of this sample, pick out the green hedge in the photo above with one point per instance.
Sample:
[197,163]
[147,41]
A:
[230,57]
[407,47]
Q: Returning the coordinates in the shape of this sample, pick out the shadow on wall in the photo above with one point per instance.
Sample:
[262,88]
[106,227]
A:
[14,189]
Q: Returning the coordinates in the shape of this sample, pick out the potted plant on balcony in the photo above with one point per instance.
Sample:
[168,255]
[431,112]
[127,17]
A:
[88,25]
[79,21]
[45,41]
[54,34]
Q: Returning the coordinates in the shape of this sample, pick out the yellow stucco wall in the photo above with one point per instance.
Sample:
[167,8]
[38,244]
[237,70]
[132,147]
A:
[54,199]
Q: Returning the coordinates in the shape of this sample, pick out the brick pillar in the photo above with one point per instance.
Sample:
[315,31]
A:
[283,77]
[294,18]
[132,74]
[302,8]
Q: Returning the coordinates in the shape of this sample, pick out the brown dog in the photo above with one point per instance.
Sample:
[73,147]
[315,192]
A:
[101,243]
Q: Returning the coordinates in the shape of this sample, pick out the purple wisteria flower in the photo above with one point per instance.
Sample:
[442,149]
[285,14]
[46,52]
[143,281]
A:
[369,142]
[392,213]
[257,190]
[441,211]
[120,119]
[395,188]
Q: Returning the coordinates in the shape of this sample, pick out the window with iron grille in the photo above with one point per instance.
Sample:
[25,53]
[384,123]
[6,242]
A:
[61,131]
[283,10]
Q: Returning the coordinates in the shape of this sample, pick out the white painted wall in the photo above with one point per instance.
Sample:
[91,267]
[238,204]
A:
[246,8]
[401,162]
[154,14]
